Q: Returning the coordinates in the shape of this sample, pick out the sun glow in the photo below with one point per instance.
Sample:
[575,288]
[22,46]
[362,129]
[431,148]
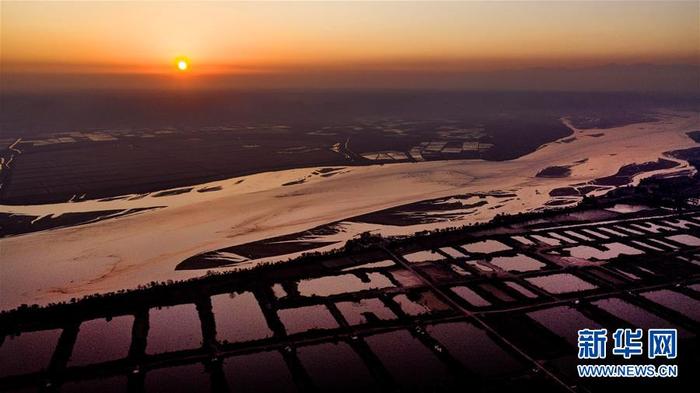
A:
[182,64]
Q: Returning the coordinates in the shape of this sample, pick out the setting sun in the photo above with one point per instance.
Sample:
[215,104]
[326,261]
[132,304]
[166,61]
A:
[182,64]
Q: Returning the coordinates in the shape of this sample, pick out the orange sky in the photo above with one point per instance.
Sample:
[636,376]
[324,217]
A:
[237,38]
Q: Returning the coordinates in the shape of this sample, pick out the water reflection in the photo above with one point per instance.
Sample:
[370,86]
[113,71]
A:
[33,348]
[178,379]
[635,315]
[412,365]
[471,297]
[301,319]
[102,385]
[473,348]
[239,318]
[100,340]
[517,263]
[563,321]
[262,372]
[335,367]
[561,283]
[344,283]
[174,328]
[676,301]
[486,247]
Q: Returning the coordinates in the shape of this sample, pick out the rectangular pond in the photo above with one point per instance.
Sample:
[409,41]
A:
[336,367]
[517,263]
[178,379]
[262,372]
[635,315]
[470,296]
[411,364]
[344,283]
[29,352]
[114,384]
[564,321]
[423,256]
[486,247]
[173,328]
[560,283]
[474,349]
[676,301]
[302,319]
[101,340]
[238,317]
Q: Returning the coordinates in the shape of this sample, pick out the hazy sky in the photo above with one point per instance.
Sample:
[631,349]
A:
[316,41]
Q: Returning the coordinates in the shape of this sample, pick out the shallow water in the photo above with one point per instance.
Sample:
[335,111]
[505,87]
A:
[663,243]
[178,379]
[635,315]
[102,385]
[423,256]
[470,296]
[335,367]
[680,223]
[243,373]
[174,328]
[628,229]
[486,247]
[279,291]
[578,236]
[344,283]
[238,317]
[364,310]
[562,237]
[546,240]
[612,232]
[627,274]
[560,283]
[688,240]
[521,289]
[412,365]
[100,340]
[646,245]
[301,319]
[653,228]
[370,265]
[596,234]
[396,183]
[676,301]
[523,240]
[453,252]
[28,352]
[474,349]
[517,263]
[563,321]
[610,251]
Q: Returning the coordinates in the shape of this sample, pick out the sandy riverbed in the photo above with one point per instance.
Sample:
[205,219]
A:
[125,252]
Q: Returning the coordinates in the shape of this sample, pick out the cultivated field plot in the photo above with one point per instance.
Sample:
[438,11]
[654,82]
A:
[494,310]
